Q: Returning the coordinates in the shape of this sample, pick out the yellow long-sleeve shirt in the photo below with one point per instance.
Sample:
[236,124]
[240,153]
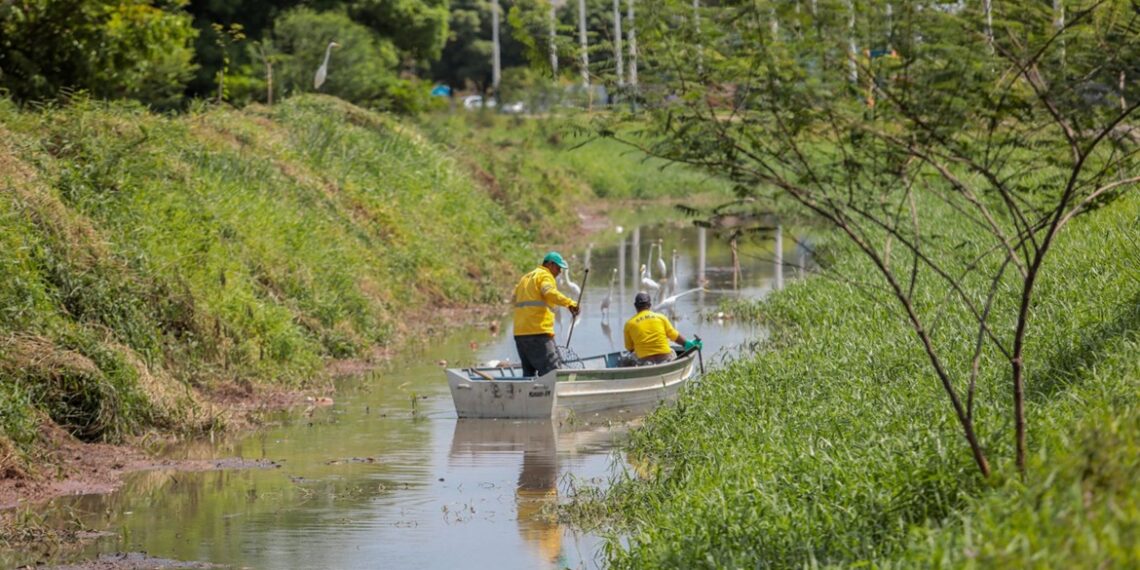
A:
[535,296]
[649,333]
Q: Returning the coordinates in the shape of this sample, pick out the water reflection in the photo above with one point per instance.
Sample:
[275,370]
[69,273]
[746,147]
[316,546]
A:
[536,491]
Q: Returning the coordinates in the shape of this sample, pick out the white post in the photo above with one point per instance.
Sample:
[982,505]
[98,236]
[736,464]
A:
[553,47]
[891,26]
[779,257]
[496,69]
[632,35]
[988,9]
[852,66]
[697,29]
[702,255]
[619,65]
[635,274]
[1059,24]
[584,45]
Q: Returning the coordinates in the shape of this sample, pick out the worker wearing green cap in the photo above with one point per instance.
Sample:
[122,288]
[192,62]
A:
[535,299]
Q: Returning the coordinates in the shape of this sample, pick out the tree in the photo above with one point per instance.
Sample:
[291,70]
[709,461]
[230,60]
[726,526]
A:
[131,48]
[416,27]
[1014,142]
[467,54]
[362,70]
[255,17]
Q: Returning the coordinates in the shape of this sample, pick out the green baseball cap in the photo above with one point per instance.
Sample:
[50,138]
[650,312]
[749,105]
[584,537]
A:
[556,258]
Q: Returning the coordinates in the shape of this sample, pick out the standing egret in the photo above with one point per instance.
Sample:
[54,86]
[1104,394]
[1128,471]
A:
[661,269]
[647,282]
[571,286]
[323,70]
[648,268]
[609,297]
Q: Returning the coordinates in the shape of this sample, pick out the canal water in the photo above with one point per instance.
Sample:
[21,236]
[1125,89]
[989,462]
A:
[387,476]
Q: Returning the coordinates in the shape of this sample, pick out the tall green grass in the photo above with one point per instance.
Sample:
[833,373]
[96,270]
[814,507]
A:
[835,446]
[147,254]
[559,147]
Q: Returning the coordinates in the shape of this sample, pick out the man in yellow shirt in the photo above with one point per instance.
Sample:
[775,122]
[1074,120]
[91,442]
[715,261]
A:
[534,301]
[647,334]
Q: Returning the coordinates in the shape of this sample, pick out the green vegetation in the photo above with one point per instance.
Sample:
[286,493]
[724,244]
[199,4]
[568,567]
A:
[543,155]
[121,49]
[834,445]
[148,255]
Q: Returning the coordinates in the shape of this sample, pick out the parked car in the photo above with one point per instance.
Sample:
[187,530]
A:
[514,108]
[476,102]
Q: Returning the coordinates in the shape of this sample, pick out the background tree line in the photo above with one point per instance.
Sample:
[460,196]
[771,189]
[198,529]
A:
[166,52]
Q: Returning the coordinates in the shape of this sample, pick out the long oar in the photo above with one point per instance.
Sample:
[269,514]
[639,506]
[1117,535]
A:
[573,319]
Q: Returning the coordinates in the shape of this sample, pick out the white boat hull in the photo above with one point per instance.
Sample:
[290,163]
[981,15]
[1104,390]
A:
[503,393]
[523,398]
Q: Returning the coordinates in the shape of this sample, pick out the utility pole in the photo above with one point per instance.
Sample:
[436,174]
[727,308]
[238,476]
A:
[632,35]
[584,45]
[496,65]
[988,8]
[697,30]
[852,66]
[619,65]
[553,46]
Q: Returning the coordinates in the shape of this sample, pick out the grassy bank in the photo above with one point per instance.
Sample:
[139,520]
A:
[149,256]
[544,165]
[837,447]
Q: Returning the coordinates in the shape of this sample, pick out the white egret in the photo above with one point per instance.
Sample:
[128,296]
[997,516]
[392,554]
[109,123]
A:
[647,281]
[609,297]
[323,70]
[667,303]
[571,287]
[661,269]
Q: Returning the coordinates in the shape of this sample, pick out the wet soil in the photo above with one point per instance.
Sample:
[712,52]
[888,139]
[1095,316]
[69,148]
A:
[126,561]
[77,468]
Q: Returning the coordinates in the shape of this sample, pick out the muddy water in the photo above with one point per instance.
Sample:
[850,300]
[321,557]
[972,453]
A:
[388,477]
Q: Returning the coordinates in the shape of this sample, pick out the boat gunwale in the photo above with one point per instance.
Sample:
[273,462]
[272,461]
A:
[640,372]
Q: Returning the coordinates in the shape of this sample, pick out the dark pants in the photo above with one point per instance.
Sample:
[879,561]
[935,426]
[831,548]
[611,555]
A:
[537,354]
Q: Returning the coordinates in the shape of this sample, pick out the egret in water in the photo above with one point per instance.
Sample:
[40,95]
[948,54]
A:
[669,302]
[661,269]
[609,297]
[647,269]
[571,287]
[647,282]
[323,70]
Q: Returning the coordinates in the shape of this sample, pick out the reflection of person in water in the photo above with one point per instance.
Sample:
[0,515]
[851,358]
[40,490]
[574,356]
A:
[537,489]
